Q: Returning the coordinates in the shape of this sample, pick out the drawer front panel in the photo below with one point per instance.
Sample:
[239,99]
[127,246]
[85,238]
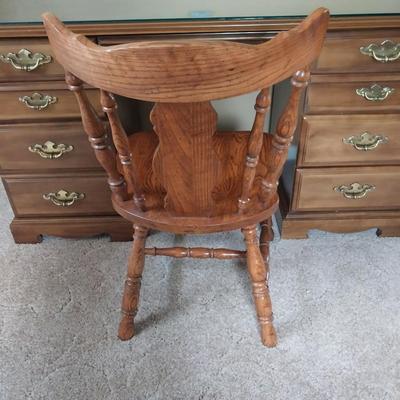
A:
[27,195]
[344,55]
[26,147]
[60,103]
[322,189]
[37,63]
[343,97]
[351,140]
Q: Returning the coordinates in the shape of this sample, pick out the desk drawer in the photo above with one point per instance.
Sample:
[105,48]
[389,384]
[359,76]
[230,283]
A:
[353,97]
[344,55]
[92,195]
[350,140]
[35,101]
[37,62]
[331,188]
[26,147]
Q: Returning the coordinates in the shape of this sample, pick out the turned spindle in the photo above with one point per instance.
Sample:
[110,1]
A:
[96,131]
[121,143]
[255,142]
[284,133]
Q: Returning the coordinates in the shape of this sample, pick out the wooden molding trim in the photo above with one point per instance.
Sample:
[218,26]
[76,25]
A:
[246,26]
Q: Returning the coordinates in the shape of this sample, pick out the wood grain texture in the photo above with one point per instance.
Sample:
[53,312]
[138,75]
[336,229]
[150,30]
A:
[315,191]
[257,268]
[45,72]
[285,129]
[322,140]
[15,141]
[191,178]
[187,71]
[121,143]
[64,108]
[333,112]
[342,54]
[254,147]
[26,194]
[195,252]
[230,149]
[186,157]
[32,230]
[297,226]
[97,131]
[341,97]
[130,298]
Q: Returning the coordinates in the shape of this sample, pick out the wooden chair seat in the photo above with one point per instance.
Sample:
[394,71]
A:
[230,149]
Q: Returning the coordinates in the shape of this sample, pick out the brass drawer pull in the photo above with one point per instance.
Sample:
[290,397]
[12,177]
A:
[24,60]
[38,101]
[63,198]
[354,190]
[387,51]
[366,141]
[50,150]
[375,92]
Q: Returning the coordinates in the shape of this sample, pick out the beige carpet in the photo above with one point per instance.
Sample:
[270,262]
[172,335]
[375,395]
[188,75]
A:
[336,300]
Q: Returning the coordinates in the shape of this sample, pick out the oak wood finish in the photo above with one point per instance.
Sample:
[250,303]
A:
[27,194]
[45,72]
[333,112]
[255,143]
[258,269]
[27,176]
[346,31]
[122,145]
[32,230]
[97,133]
[185,133]
[130,298]
[315,191]
[340,54]
[230,149]
[342,97]
[195,252]
[16,140]
[218,69]
[65,107]
[386,223]
[323,140]
[285,129]
[187,177]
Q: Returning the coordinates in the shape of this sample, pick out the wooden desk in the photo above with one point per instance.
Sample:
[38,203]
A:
[320,160]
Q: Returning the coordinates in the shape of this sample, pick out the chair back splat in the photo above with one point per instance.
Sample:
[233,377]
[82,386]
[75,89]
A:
[184,176]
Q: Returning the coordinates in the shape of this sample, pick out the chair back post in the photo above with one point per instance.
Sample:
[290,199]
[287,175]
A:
[283,137]
[254,147]
[121,143]
[96,131]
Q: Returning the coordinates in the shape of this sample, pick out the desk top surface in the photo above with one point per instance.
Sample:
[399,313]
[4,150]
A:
[28,11]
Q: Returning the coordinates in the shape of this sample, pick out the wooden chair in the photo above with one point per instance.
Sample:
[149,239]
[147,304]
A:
[185,177]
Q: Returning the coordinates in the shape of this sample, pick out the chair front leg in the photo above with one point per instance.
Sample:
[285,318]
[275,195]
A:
[130,298]
[258,274]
